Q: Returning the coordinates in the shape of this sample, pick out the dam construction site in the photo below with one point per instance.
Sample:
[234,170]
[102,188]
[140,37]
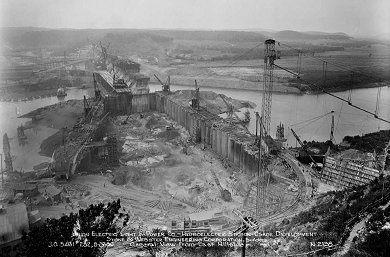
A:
[181,160]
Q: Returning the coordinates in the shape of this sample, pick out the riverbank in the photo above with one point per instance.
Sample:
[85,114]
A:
[230,83]
[343,89]
[292,88]
[43,89]
[60,116]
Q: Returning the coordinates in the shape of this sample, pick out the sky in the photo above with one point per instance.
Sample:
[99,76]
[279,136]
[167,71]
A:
[354,17]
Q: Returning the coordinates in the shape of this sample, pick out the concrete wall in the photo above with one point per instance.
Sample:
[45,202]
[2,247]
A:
[224,139]
[126,104]
[213,132]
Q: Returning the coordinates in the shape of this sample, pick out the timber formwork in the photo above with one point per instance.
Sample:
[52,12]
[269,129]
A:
[344,174]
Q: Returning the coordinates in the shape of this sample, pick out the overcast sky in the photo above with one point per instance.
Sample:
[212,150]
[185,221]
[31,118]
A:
[355,17]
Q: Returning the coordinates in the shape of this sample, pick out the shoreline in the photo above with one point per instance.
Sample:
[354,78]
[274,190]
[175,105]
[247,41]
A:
[32,95]
[279,88]
[286,92]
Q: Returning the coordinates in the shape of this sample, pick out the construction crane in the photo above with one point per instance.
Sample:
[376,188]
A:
[87,107]
[270,56]
[103,55]
[97,90]
[230,109]
[304,148]
[196,99]
[230,112]
[225,194]
[7,154]
[166,87]
[332,129]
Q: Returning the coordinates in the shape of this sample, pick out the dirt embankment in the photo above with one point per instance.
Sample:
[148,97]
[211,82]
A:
[50,144]
[60,116]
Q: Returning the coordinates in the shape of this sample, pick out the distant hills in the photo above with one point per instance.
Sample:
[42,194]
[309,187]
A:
[144,41]
[311,35]
[35,36]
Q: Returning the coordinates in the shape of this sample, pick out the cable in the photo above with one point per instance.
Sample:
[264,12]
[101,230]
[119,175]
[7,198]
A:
[331,94]
[318,117]
[325,63]
[332,63]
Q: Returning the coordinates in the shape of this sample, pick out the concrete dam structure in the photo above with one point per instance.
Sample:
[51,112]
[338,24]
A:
[228,140]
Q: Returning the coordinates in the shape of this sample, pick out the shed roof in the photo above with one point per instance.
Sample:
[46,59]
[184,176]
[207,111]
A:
[25,187]
[13,220]
[52,190]
[204,215]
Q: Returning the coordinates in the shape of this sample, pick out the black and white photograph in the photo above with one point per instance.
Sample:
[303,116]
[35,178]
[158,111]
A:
[194,128]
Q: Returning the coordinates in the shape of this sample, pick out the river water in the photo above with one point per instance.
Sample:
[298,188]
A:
[26,156]
[286,108]
[291,109]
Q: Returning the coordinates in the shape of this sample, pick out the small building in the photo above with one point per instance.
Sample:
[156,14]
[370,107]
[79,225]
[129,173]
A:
[13,222]
[201,222]
[208,218]
[34,218]
[52,193]
[28,190]
[127,66]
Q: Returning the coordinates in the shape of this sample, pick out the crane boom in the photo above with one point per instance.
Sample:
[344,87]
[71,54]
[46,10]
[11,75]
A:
[300,142]
[296,136]
[159,80]
[165,86]
[230,106]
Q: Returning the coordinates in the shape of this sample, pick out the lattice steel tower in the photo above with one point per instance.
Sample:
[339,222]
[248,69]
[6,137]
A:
[268,76]
[265,120]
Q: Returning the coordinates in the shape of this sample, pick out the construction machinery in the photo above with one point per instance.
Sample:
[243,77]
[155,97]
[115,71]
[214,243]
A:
[21,136]
[270,56]
[305,149]
[332,129]
[196,99]
[247,117]
[117,82]
[87,107]
[7,154]
[230,112]
[225,194]
[230,109]
[97,90]
[166,87]
[101,63]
